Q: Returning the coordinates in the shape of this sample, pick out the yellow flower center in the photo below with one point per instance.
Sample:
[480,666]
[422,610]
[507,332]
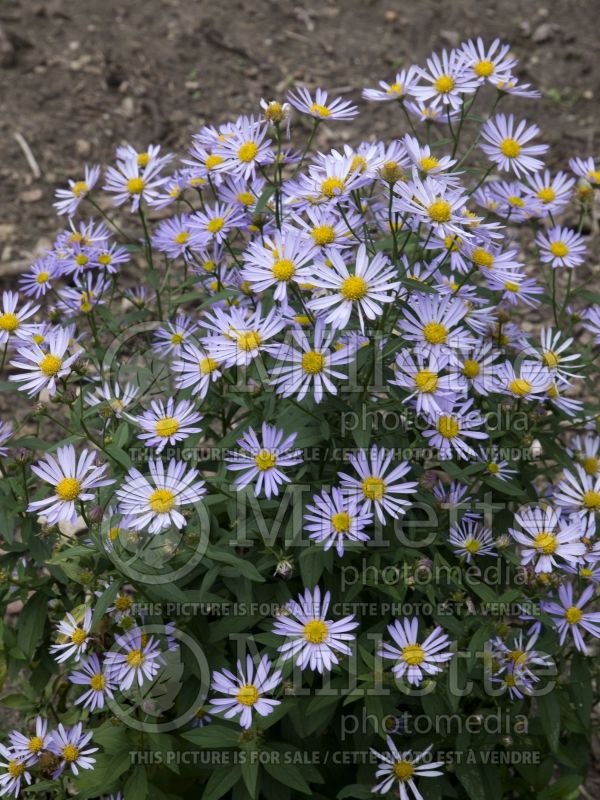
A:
[573,615]
[323,235]
[551,359]
[354,288]
[9,322]
[413,654]
[518,657]
[161,501]
[472,546]
[440,211]
[98,682]
[516,202]
[135,185]
[510,147]
[359,164]
[511,287]
[426,381]
[482,258]
[68,489]
[448,426]
[341,522]
[182,237]
[213,161]
[105,259]
[135,658]
[444,84]
[42,277]
[50,365]
[283,269]
[591,500]
[78,636]
[35,744]
[177,338]
[313,362]
[586,572]
[123,602]
[590,464]
[546,194]
[249,340]
[215,225]
[435,333]
[246,198]
[143,159]
[81,259]
[322,111]
[79,188]
[483,69]
[428,163]
[471,369]
[248,695]
[403,770]
[559,249]
[331,187]
[207,365]
[546,543]
[247,152]
[493,468]
[373,488]
[394,89]
[520,387]
[265,460]
[167,426]
[15,768]
[316,631]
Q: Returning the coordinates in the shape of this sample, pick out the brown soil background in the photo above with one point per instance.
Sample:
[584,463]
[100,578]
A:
[79,77]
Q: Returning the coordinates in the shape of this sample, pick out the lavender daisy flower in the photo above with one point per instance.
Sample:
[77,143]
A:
[68,200]
[195,369]
[72,478]
[446,81]
[156,502]
[176,237]
[245,149]
[70,745]
[12,319]
[561,247]
[320,107]
[137,659]
[453,426]
[73,636]
[242,335]
[336,519]
[262,460]
[171,338]
[30,748]
[167,424]
[413,660]
[37,280]
[419,374]
[279,262]
[132,181]
[112,398]
[42,368]
[545,537]
[435,203]
[507,145]
[309,366]
[16,772]
[398,89]
[245,692]
[470,539]
[578,491]
[570,618]
[378,484]
[364,290]
[403,768]
[312,640]
[92,675]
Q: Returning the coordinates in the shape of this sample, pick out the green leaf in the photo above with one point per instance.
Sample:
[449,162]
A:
[549,711]
[355,790]
[221,781]
[32,621]
[213,736]
[16,701]
[264,199]
[136,787]
[289,775]
[246,568]
[104,601]
[250,775]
